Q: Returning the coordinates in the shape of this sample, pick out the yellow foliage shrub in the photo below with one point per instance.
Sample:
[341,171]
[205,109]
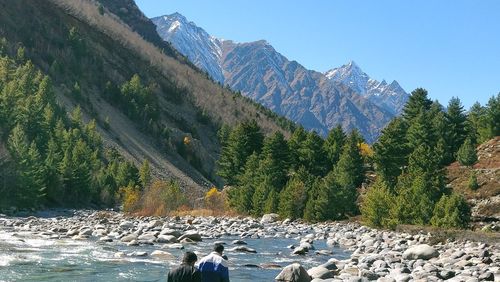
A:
[215,200]
[131,197]
[366,150]
[161,198]
[187,141]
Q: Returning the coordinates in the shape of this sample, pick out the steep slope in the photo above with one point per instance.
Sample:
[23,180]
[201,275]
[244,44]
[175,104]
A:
[485,199]
[258,71]
[74,43]
[391,97]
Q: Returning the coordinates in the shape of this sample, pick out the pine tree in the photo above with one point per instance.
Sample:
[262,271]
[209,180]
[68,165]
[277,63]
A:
[414,204]
[241,197]
[275,160]
[424,162]
[333,145]
[52,175]
[493,115]
[29,169]
[466,155]
[145,174]
[456,122]
[320,202]
[293,199]
[472,183]
[417,103]
[295,145]
[260,196]
[272,202]
[444,142]
[391,152]
[376,206]
[451,211]
[350,168]
[421,132]
[476,121]
[244,140]
[312,155]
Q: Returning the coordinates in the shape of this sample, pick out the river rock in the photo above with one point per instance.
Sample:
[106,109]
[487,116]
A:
[128,238]
[239,242]
[85,232]
[300,251]
[137,254]
[331,264]
[243,249]
[166,239]
[154,223]
[270,265]
[172,232]
[320,272]
[192,235]
[133,243]
[147,237]
[105,239]
[293,273]
[126,225]
[162,254]
[173,246]
[487,276]
[269,218]
[422,251]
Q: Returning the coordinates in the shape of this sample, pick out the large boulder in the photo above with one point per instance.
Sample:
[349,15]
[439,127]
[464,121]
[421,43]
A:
[269,218]
[162,254]
[293,273]
[166,239]
[126,225]
[192,235]
[320,272]
[422,251]
[128,238]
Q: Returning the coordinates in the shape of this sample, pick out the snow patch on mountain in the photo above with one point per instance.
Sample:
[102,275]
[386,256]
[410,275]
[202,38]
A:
[391,97]
[202,49]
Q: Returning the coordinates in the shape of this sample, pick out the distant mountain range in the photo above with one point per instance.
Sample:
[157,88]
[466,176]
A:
[319,101]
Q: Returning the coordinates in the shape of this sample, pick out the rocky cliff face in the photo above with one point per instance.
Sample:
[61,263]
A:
[317,101]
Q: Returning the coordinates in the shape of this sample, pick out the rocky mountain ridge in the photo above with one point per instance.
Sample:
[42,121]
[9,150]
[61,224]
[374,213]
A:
[313,99]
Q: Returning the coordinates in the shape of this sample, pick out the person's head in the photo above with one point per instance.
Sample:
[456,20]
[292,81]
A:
[189,258]
[219,248]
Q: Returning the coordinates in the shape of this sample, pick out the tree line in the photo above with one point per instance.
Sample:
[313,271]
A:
[306,176]
[410,158]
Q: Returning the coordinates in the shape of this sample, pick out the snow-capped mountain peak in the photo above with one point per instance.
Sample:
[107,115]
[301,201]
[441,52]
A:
[391,97]
[201,48]
[261,73]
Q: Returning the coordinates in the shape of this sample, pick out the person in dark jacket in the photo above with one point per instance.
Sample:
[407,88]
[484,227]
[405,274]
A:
[186,272]
[214,267]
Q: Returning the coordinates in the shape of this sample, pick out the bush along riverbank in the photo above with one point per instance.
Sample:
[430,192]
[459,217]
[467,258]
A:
[374,254]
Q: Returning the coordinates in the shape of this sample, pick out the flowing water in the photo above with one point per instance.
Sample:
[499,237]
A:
[26,257]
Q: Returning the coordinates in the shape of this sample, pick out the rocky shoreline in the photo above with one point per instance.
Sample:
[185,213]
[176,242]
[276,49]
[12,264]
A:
[377,255]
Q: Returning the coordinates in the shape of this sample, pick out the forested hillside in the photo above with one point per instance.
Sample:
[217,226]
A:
[315,179]
[136,101]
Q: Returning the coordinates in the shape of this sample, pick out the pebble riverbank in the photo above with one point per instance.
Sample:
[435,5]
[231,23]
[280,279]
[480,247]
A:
[376,255]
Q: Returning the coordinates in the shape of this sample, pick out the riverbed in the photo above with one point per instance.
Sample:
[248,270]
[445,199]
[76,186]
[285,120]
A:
[66,245]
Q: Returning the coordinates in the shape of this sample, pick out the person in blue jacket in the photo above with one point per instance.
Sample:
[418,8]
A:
[214,267]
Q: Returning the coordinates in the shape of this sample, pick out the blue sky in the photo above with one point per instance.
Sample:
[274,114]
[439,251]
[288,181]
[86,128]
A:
[449,47]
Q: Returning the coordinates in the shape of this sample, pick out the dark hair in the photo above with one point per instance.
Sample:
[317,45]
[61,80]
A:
[219,248]
[189,257]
